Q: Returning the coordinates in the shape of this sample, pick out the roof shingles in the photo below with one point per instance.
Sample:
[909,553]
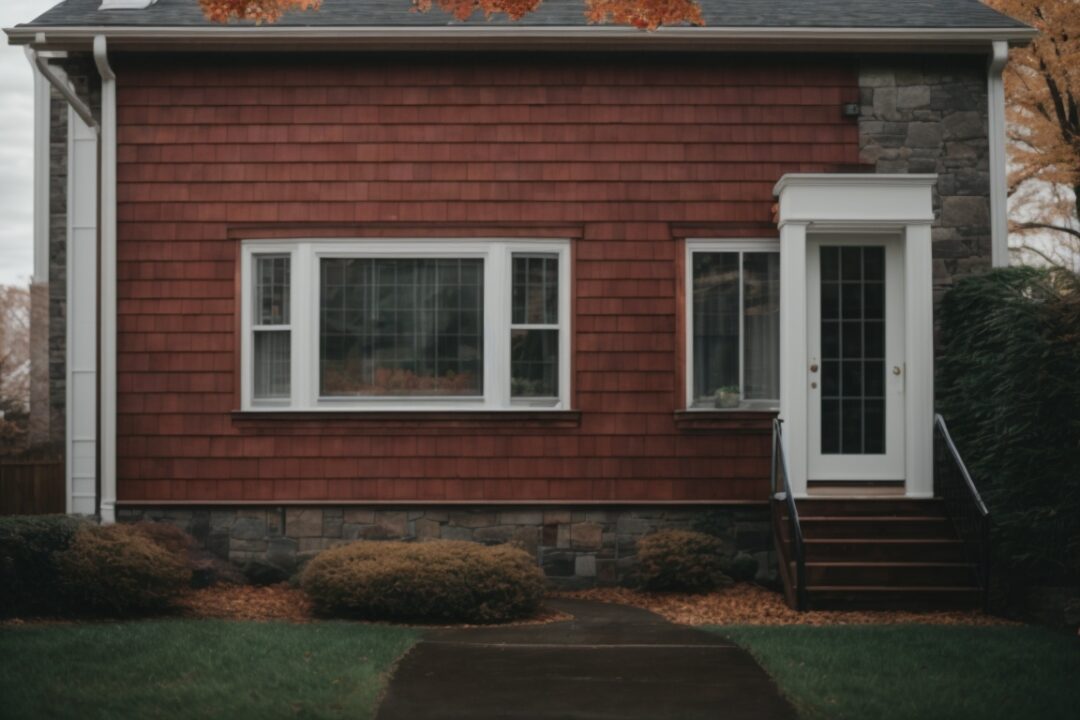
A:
[960,14]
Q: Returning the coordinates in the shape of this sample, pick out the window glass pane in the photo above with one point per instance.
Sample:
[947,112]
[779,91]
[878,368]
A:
[761,325]
[401,327]
[535,298]
[272,353]
[271,290]
[534,363]
[716,324]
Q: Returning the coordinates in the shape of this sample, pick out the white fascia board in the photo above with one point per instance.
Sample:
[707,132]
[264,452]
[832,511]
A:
[855,198]
[595,37]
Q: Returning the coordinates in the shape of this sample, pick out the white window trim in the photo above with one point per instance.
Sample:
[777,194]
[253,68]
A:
[304,322]
[719,245]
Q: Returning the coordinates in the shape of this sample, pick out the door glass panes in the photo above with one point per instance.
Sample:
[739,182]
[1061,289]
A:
[401,327]
[272,337]
[852,350]
[534,326]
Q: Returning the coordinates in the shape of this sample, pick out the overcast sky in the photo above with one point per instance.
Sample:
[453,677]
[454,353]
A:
[17,147]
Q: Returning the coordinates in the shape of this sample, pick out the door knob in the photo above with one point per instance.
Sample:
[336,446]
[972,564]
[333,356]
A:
[896,370]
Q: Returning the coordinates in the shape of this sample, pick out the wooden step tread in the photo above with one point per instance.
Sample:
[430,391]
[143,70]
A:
[894,588]
[883,541]
[886,564]
[872,518]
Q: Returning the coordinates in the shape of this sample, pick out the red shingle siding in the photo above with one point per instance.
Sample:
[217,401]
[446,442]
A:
[619,149]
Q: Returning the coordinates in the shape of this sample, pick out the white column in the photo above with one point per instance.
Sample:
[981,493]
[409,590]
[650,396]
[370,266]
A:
[82,322]
[919,370]
[999,190]
[793,395]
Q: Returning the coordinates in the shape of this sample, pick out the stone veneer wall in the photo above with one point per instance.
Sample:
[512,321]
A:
[576,546]
[929,115]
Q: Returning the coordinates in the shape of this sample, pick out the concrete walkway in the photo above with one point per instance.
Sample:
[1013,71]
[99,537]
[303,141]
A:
[610,661]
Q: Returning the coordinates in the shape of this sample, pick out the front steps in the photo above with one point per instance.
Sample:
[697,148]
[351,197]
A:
[882,553]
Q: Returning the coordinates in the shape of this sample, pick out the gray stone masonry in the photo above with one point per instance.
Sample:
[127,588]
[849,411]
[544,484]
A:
[576,546]
[57,315]
[929,115]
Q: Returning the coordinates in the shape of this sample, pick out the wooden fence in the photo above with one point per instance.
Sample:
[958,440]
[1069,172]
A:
[31,487]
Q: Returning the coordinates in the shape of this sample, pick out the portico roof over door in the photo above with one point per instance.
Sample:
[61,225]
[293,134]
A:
[894,211]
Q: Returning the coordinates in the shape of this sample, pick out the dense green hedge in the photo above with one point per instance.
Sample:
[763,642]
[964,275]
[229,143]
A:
[436,581]
[29,581]
[1009,388]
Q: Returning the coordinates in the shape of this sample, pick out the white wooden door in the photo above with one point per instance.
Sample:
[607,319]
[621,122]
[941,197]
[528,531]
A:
[855,369]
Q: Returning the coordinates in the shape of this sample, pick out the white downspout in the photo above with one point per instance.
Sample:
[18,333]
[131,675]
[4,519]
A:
[42,118]
[999,189]
[107,368]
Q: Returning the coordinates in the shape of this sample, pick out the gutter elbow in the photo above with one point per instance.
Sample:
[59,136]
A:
[101,58]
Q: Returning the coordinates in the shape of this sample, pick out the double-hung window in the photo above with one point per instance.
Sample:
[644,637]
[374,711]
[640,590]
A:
[406,325]
[733,313]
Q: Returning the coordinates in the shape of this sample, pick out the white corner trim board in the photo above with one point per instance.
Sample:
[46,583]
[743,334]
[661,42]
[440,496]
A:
[107,292]
[82,337]
[999,190]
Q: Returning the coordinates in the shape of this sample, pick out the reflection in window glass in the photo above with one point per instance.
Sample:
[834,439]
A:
[401,326]
[534,335]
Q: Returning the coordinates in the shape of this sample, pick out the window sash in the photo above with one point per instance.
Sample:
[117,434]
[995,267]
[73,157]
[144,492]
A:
[739,248]
[305,322]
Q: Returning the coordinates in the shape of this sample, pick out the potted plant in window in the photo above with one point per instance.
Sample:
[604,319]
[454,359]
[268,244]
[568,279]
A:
[728,397]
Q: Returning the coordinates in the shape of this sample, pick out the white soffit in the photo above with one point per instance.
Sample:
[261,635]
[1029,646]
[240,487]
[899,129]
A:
[855,198]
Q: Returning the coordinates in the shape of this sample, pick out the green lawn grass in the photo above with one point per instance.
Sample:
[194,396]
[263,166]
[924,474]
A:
[196,669]
[906,672]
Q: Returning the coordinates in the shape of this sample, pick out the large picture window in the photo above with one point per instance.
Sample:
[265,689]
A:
[733,311]
[406,325]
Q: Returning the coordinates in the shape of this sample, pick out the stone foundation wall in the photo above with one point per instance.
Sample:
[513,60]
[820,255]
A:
[929,115]
[576,546]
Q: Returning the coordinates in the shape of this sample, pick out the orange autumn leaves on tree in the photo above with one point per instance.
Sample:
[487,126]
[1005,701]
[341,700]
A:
[642,14]
[259,11]
[1042,89]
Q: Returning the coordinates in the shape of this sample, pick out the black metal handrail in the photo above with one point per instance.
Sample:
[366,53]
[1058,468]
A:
[781,494]
[953,483]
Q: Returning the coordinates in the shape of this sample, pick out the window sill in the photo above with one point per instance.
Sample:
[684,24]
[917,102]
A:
[394,419]
[734,420]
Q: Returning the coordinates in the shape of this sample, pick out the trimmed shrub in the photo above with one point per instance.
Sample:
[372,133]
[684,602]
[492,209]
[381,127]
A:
[1009,388]
[29,580]
[117,569]
[436,581]
[168,537]
[681,561]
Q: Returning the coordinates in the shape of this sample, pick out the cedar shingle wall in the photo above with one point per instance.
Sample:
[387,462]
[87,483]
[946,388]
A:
[620,148]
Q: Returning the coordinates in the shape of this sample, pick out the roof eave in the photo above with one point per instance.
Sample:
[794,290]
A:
[233,37]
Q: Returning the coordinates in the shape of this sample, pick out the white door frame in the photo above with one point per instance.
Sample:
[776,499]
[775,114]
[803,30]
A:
[890,465]
[811,205]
